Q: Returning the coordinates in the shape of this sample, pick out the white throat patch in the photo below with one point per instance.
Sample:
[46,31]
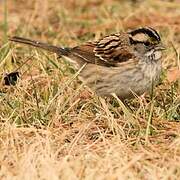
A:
[157,55]
[154,54]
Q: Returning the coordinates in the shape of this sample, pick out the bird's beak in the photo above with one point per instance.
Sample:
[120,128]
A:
[160,47]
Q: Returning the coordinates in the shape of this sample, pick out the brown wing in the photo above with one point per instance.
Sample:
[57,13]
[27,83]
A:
[85,53]
[109,51]
[114,49]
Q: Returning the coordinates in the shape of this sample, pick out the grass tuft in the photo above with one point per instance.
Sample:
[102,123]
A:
[54,127]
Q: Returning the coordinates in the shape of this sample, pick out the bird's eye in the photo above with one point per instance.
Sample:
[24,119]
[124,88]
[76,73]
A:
[147,43]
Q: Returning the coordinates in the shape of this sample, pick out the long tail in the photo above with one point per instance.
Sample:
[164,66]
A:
[51,48]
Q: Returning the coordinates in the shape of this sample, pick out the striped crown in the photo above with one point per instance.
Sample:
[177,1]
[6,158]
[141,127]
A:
[145,34]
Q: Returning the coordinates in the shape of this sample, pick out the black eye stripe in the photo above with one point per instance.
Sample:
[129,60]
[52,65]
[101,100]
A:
[147,43]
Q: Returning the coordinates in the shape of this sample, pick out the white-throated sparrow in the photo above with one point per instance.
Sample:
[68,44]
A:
[120,63]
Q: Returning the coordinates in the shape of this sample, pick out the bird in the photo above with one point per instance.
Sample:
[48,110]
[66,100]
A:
[124,63]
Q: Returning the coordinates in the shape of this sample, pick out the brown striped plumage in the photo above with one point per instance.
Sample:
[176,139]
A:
[119,63]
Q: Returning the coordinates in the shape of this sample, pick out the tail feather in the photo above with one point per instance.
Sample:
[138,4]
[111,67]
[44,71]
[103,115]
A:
[45,46]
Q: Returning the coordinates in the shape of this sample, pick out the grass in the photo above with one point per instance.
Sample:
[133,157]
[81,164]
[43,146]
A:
[51,128]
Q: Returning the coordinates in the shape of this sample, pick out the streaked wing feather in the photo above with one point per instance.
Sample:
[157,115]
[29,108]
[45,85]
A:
[109,51]
[86,53]
[114,49]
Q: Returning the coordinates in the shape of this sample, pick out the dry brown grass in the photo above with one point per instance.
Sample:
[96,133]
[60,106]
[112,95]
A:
[50,128]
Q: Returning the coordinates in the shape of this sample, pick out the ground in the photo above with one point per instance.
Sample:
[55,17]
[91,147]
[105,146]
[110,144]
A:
[52,127]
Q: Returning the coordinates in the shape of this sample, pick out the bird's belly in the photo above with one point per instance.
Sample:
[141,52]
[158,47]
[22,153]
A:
[124,86]
[124,83]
